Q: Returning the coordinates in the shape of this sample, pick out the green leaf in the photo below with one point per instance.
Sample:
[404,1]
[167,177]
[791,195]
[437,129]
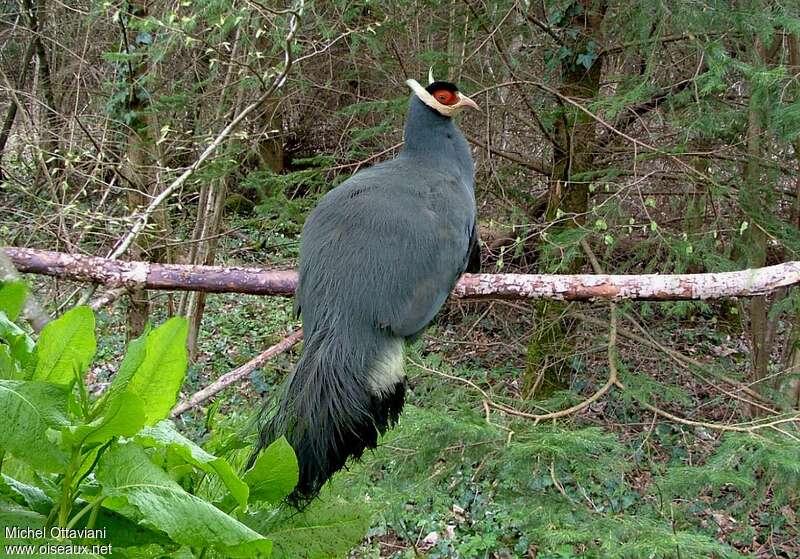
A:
[123,416]
[144,492]
[28,495]
[274,474]
[30,409]
[9,367]
[159,375]
[163,434]
[329,527]
[20,345]
[137,350]
[66,347]
[12,298]
[587,59]
[11,516]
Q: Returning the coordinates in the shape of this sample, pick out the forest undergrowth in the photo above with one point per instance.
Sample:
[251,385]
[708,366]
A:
[459,477]
[615,137]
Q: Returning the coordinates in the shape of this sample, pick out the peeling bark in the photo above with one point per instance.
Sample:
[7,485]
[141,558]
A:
[255,281]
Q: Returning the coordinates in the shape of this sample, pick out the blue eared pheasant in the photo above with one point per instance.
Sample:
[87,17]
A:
[379,255]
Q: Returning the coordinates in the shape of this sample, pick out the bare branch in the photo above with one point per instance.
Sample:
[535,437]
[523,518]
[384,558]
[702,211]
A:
[31,310]
[237,374]
[256,281]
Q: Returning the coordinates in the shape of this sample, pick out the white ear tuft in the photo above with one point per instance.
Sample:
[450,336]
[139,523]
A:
[428,99]
[430,76]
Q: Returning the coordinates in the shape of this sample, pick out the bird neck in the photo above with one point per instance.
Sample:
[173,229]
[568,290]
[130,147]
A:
[434,140]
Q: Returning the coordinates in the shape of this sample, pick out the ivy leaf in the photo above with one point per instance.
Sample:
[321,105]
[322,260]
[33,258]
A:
[587,59]
[144,38]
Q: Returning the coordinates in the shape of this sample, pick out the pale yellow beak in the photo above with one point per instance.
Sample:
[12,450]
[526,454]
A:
[464,101]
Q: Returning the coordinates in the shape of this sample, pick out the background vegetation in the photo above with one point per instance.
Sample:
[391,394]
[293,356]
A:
[621,136]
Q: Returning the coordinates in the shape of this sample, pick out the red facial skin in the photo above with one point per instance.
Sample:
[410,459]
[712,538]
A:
[445,97]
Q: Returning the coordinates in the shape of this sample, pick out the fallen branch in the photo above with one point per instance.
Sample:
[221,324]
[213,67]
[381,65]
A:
[31,310]
[255,281]
[237,374]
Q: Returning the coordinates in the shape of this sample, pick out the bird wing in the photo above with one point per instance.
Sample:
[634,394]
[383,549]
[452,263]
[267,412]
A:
[427,247]
[386,248]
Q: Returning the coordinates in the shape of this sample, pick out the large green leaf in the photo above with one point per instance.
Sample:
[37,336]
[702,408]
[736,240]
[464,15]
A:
[12,298]
[274,474]
[137,350]
[12,515]
[9,367]
[29,410]
[145,493]
[120,531]
[163,434]
[159,375]
[18,344]
[66,347]
[124,416]
[32,497]
[328,528]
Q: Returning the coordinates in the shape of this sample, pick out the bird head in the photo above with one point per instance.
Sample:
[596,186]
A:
[443,97]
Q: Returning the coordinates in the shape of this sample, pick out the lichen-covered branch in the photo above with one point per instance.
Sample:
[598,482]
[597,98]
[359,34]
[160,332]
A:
[255,281]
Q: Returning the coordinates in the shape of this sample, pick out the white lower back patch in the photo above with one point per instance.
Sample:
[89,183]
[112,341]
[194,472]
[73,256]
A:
[388,370]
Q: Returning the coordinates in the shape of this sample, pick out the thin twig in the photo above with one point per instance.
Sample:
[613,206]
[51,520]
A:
[141,220]
[739,428]
[237,374]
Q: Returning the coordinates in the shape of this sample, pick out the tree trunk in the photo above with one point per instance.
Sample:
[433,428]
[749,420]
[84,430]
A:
[11,111]
[752,198]
[792,349]
[50,131]
[573,153]
[136,168]
[213,211]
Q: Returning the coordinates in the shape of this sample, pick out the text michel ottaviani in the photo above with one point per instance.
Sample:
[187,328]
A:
[57,532]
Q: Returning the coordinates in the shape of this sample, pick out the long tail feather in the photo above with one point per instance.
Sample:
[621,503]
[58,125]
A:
[336,403]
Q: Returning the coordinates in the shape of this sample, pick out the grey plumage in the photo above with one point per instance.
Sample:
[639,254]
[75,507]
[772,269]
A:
[379,255]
